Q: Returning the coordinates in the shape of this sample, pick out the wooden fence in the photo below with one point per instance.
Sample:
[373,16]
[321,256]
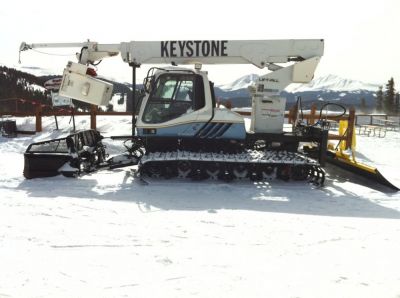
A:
[311,117]
[39,110]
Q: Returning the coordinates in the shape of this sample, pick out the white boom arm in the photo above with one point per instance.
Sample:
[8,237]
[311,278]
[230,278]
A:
[90,51]
[257,52]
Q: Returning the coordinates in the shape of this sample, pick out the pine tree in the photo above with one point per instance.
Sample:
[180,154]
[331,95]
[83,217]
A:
[363,105]
[389,100]
[397,103]
[110,107]
[379,100]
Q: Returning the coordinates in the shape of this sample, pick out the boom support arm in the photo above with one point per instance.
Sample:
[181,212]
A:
[89,54]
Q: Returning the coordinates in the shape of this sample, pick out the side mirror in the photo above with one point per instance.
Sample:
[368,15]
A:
[148,84]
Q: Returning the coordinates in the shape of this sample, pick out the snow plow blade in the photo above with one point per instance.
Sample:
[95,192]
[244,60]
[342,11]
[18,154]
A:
[349,164]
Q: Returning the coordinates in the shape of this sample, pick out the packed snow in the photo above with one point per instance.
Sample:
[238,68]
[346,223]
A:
[106,235]
[36,87]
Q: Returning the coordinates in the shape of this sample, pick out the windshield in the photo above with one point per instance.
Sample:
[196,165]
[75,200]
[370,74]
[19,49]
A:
[171,97]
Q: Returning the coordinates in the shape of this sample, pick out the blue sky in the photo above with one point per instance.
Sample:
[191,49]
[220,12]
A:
[361,38]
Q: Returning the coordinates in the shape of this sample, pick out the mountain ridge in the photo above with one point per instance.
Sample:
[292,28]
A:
[328,82]
[321,89]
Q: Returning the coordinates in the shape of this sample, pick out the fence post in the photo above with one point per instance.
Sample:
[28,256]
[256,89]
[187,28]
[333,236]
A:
[293,112]
[350,127]
[312,114]
[93,110]
[38,113]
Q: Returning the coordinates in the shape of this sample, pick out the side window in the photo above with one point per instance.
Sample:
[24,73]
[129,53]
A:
[173,96]
[174,89]
[185,91]
[165,89]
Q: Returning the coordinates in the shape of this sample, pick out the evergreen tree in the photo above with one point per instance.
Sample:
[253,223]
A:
[397,103]
[17,84]
[110,107]
[363,105]
[389,100]
[379,100]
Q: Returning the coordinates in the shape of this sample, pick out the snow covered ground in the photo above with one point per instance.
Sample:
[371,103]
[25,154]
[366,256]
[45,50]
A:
[105,235]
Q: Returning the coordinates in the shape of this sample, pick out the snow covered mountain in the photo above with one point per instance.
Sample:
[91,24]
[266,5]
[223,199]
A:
[324,83]
[333,83]
[241,83]
[326,88]
[33,70]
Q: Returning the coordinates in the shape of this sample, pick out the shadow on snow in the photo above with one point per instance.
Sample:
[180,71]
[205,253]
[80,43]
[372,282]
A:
[175,194]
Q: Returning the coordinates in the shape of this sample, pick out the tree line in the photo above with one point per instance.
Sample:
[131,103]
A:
[18,84]
[387,100]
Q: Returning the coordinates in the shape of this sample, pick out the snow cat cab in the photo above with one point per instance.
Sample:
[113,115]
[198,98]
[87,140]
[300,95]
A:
[179,112]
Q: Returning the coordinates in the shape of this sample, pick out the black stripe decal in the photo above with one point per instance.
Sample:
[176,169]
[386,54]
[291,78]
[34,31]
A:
[215,130]
[223,129]
[204,130]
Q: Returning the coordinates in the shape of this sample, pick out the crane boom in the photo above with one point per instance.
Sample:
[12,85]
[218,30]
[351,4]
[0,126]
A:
[257,52]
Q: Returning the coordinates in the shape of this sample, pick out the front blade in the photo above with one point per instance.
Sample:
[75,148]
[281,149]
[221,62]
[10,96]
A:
[363,170]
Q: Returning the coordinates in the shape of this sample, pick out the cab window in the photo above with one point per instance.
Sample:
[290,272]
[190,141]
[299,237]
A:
[173,95]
